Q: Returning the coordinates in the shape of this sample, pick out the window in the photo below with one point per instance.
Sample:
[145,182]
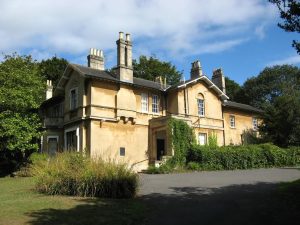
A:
[232,121]
[73,98]
[155,104]
[255,124]
[122,151]
[202,139]
[200,107]
[144,102]
[71,139]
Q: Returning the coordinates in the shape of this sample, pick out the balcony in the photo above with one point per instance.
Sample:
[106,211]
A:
[53,122]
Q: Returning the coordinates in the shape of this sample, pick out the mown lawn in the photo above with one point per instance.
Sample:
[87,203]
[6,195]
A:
[20,204]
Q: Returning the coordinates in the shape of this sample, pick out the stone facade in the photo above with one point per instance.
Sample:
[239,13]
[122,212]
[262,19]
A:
[119,117]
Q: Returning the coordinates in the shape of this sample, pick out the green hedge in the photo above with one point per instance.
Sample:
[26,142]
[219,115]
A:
[241,157]
[74,174]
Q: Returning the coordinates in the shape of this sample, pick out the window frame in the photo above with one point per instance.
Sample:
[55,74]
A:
[205,138]
[144,102]
[255,123]
[155,104]
[201,107]
[75,106]
[232,123]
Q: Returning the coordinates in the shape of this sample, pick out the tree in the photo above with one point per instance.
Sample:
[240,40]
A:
[53,69]
[232,89]
[21,93]
[150,68]
[277,91]
[269,84]
[290,13]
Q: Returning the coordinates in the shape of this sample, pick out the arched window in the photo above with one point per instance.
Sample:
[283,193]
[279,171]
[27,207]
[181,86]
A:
[201,105]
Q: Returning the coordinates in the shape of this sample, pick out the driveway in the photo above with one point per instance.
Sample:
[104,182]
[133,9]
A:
[225,197]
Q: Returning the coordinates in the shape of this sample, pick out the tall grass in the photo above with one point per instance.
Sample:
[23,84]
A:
[74,174]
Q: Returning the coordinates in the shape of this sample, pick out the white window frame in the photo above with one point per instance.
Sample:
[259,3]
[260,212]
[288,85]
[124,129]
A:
[232,121]
[155,104]
[201,107]
[77,135]
[205,138]
[144,102]
[71,100]
[255,123]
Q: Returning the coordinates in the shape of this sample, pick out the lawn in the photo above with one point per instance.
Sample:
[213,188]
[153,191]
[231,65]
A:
[20,204]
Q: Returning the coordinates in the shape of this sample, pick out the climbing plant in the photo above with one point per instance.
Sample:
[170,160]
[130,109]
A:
[182,137]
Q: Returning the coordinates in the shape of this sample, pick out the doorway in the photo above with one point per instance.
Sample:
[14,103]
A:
[52,146]
[160,148]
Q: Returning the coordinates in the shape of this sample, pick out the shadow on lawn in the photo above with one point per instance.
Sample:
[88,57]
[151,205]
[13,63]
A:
[260,203]
[92,211]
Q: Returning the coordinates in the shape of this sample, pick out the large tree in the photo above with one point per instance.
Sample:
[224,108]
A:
[150,67]
[53,69]
[277,91]
[290,13]
[232,89]
[21,93]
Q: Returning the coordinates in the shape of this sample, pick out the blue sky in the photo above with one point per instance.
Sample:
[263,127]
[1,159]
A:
[240,36]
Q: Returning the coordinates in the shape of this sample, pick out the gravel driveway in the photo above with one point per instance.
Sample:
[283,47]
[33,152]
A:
[223,197]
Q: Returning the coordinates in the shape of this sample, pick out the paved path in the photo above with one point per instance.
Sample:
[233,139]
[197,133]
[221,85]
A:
[225,197]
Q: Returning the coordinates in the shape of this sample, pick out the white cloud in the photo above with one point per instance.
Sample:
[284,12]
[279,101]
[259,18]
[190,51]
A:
[174,26]
[289,60]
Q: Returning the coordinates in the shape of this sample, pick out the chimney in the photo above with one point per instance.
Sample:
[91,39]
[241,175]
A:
[218,79]
[49,89]
[96,59]
[196,70]
[124,66]
[163,83]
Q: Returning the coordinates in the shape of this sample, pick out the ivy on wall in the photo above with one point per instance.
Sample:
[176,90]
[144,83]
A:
[181,137]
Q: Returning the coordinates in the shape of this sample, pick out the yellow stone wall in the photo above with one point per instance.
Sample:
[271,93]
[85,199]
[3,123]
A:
[243,121]
[211,122]
[108,137]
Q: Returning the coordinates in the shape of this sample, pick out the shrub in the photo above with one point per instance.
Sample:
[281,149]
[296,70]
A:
[182,137]
[241,157]
[74,174]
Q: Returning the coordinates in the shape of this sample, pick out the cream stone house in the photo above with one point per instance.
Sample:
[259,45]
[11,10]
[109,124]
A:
[121,117]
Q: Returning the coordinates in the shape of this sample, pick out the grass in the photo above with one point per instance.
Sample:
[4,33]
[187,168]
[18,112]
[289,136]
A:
[21,205]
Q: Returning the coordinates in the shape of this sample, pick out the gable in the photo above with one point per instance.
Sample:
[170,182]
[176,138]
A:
[207,83]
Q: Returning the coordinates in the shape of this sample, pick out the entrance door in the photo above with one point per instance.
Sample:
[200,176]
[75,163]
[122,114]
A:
[52,146]
[160,147]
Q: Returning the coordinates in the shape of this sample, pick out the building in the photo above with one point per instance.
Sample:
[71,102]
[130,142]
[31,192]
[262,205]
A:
[121,117]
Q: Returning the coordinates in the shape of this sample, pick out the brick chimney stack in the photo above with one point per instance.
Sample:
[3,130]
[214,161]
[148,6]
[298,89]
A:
[196,70]
[218,79]
[96,59]
[124,66]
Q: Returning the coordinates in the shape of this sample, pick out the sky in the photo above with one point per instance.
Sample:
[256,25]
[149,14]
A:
[239,36]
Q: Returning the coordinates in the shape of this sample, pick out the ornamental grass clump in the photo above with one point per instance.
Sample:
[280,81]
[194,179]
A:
[77,175]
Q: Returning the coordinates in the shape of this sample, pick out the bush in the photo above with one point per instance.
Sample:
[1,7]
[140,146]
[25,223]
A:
[171,165]
[74,174]
[241,157]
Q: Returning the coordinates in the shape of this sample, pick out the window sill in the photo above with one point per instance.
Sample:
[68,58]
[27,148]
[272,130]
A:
[233,127]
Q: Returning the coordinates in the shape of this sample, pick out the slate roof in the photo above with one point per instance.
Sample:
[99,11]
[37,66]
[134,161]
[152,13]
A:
[236,105]
[87,71]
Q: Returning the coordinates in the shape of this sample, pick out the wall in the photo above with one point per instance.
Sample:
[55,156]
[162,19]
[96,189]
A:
[212,121]
[108,137]
[243,121]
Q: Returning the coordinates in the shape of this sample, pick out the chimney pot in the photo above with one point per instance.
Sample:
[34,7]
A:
[121,35]
[127,37]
